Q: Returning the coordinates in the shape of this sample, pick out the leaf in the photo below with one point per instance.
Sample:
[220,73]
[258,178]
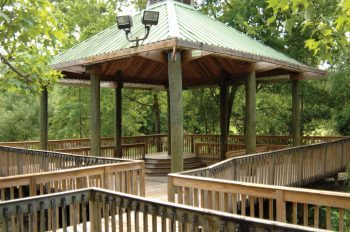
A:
[271,20]
[289,25]
[5,17]
[311,44]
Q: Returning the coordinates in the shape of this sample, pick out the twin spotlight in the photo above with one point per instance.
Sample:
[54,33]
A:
[149,19]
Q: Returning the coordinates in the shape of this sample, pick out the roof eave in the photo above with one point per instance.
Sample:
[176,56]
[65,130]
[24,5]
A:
[171,43]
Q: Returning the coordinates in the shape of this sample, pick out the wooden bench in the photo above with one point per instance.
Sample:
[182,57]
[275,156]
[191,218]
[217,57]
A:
[242,152]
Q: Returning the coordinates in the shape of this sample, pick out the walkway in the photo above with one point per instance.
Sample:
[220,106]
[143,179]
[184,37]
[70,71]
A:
[156,188]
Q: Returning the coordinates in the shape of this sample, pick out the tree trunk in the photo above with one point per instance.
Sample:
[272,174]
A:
[156,110]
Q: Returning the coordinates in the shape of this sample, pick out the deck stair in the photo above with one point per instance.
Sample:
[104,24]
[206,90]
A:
[159,164]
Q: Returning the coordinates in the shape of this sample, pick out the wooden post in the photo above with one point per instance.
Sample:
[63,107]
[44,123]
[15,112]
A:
[296,119]
[250,114]
[118,120]
[223,118]
[176,110]
[44,126]
[169,127]
[95,116]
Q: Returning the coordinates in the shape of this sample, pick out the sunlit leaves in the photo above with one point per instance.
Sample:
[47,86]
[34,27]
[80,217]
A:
[30,35]
[328,20]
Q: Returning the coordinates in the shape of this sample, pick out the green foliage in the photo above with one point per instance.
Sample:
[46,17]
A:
[329,22]
[29,34]
[86,18]
[203,118]
[339,85]
[251,17]
[325,105]
[19,117]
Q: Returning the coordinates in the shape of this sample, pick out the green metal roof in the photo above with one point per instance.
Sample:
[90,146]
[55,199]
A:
[177,20]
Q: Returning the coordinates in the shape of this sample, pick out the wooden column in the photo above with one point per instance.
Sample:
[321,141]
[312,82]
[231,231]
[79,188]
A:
[44,125]
[95,116]
[296,118]
[223,118]
[176,111]
[169,123]
[118,120]
[250,114]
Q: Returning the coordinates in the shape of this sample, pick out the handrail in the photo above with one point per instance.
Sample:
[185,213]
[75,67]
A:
[16,161]
[253,182]
[112,211]
[325,159]
[135,151]
[257,200]
[158,142]
[125,177]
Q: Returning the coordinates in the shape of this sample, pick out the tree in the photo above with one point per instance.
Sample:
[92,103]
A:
[19,117]
[30,32]
[329,22]
[86,18]
[339,85]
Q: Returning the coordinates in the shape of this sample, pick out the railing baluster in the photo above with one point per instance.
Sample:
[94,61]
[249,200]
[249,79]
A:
[64,214]
[54,222]
[145,217]
[42,217]
[154,218]
[113,213]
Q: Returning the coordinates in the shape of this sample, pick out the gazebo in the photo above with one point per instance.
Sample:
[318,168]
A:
[187,49]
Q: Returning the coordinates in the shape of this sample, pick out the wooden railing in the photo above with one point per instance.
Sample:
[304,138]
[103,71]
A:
[135,151]
[209,153]
[17,161]
[248,185]
[295,166]
[127,177]
[159,143]
[101,210]
[285,204]
[30,172]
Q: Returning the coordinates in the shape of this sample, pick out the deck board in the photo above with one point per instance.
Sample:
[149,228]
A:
[156,187]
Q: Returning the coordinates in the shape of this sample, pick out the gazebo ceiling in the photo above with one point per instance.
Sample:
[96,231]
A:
[209,49]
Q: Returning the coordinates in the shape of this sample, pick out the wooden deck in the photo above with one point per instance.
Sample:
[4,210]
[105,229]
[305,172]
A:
[165,156]
[159,164]
[156,187]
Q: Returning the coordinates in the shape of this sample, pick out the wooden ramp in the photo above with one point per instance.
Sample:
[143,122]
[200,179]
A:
[159,164]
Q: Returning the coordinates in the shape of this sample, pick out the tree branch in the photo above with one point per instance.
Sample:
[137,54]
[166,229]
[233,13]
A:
[134,100]
[14,69]
[3,5]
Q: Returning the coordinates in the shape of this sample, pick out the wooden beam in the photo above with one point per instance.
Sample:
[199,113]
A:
[259,67]
[307,76]
[176,110]
[118,117]
[250,113]
[157,56]
[95,116]
[242,56]
[75,69]
[44,125]
[119,54]
[190,55]
[296,116]
[191,45]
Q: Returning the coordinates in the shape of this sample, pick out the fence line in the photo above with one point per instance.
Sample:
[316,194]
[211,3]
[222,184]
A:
[251,184]
[111,211]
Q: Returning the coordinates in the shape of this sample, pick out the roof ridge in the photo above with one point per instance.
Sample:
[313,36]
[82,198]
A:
[173,24]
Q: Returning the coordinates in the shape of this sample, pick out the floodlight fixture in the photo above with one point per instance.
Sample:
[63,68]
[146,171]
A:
[149,19]
[124,22]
